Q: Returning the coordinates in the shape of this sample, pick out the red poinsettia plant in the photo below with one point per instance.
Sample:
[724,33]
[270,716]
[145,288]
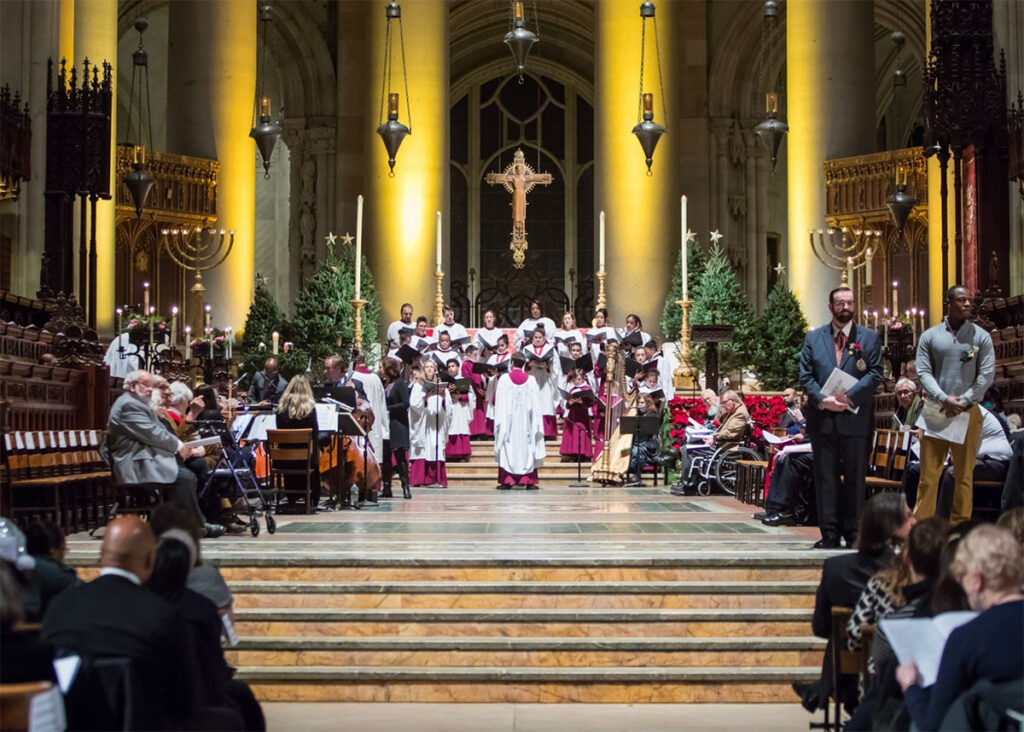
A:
[765,413]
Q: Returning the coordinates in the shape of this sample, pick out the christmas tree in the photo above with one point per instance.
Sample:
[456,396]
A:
[264,318]
[324,321]
[782,327]
[720,300]
[672,314]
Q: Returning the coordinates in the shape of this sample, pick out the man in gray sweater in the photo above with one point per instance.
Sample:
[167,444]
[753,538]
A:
[956,363]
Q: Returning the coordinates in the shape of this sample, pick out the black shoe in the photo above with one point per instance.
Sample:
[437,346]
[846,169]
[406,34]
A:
[238,528]
[761,515]
[385,492]
[827,542]
[808,698]
[504,487]
[212,531]
[780,519]
[371,498]
[850,541]
[406,493]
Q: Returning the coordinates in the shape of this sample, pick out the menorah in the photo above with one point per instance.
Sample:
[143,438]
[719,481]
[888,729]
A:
[190,250]
[846,250]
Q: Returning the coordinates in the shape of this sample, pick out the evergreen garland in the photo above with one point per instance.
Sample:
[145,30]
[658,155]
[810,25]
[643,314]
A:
[721,300]
[782,327]
[672,314]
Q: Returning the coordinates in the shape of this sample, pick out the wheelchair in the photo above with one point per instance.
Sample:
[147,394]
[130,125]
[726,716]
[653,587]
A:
[719,468]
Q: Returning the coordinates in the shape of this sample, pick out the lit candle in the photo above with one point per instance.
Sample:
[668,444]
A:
[174,326]
[438,241]
[209,339]
[600,239]
[119,312]
[275,338]
[923,326]
[683,229]
[188,343]
[895,299]
[150,312]
[876,320]
[206,324]
[359,247]
[867,269]
[145,297]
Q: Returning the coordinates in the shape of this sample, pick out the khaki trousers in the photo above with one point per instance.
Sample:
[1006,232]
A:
[933,456]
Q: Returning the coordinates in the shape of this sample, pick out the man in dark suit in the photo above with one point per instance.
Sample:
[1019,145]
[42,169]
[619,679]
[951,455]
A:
[114,616]
[840,438]
[267,385]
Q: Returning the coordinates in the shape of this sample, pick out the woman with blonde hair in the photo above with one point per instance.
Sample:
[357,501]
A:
[296,410]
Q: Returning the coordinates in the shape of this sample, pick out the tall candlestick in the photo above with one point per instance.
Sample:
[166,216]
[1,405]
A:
[188,343]
[209,339]
[174,326]
[119,312]
[150,313]
[600,239]
[895,299]
[274,339]
[359,246]
[438,241]
[206,322]
[685,234]
[145,297]
[849,271]
[867,268]
[924,325]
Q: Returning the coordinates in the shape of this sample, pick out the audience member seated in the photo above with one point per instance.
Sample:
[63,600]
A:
[211,411]
[990,567]
[267,385]
[296,411]
[713,406]
[790,500]
[116,617]
[44,542]
[1013,521]
[225,702]
[993,402]
[792,420]
[23,655]
[908,404]
[143,450]
[884,524]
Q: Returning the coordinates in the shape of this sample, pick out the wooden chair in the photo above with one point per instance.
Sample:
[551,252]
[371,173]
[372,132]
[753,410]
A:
[750,476]
[844,662]
[15,702]
[292,453]
[887,461]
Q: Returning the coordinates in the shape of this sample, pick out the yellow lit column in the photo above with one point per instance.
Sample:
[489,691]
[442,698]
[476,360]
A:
[641,211]
[66,30]
[210,94]
[95,38]
[400,231]
[830,84]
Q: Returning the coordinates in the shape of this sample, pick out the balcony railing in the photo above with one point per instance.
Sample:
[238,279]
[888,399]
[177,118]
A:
[185,190]
[856,187]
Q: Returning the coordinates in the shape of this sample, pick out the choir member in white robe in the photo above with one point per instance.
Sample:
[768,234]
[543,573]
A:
[455,331]
[666,376]
[635,325]
[463,407]
[524,333]
[542,363]
[487,337]
[568,334]
[601,334]
[404,323]
[121,367]
[443,351]
[503,355]
[423,338]
[518,428]
[373,387]
[430,416]
[478,427]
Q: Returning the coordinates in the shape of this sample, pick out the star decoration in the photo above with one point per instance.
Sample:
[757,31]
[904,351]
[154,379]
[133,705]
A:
[715,236]
[347,238]
[261,280]
[690,236]
[331,239]
[780,269]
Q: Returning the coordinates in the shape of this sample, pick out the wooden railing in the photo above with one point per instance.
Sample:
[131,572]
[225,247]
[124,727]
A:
[184,192]
[856,187]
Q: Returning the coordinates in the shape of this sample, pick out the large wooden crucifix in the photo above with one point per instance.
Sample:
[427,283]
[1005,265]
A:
[519,179]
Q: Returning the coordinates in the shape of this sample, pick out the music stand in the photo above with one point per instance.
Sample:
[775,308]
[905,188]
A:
[647,425]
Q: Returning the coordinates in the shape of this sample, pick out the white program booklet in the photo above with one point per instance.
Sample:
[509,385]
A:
[936,424]
[922,640]
[839,382]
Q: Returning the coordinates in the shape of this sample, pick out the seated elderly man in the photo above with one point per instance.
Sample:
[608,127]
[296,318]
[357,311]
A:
[908,404]
[733,422]
[143,450]
[267,385]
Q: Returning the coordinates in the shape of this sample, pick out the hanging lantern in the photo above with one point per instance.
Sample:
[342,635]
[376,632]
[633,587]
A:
[772,130]
[139,180]
[391,131]
[264,132]
[900,204]
[647,131]
[520,39]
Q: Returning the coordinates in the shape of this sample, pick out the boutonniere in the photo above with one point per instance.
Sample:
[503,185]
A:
[856,350]
[969,353]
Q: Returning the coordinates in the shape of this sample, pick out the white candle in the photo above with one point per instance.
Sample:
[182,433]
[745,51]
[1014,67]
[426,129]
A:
[188,343]
[150,312]
[206,324]
[174,326]
[867,269]
[849,271]
[895,299]
[274,338]
[359,247]
[876,320]
[685,231]
[922,321]
[119,312]
[145,297]
[438,241]
[600,260]
[209,337]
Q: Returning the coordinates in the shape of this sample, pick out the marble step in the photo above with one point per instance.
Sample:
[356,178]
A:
[522,652]
[509,685]
[509,595]
[774,622]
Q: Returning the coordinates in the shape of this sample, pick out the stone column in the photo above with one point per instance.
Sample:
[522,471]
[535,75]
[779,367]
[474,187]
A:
[95,38]
[209,114]
[642,212]
[830,83]
[399,232]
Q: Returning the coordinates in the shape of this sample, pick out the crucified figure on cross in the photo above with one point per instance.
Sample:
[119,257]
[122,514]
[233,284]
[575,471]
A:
[518,179]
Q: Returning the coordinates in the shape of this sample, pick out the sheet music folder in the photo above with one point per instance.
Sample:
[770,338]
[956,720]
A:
[645,426]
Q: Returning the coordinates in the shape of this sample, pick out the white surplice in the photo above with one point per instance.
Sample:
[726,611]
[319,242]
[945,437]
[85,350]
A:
[518,426]
[525,330]
[547,381]
[488,337]
[455,331]
[429,419]
[462,413]
[563,347]
[381,429]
